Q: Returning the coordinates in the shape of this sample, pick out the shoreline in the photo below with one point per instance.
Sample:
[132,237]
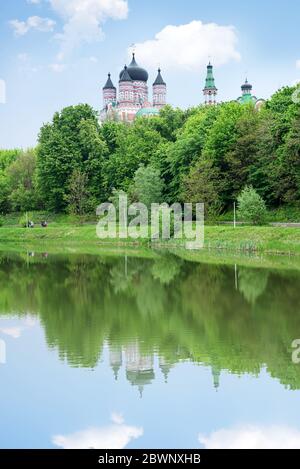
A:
[257,247]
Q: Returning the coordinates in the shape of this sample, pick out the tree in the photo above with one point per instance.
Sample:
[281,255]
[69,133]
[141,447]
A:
[71,141]
[204,185]
[22,182]
[188,147]
[242,156]
[147,185]
[78,193]
[251,207]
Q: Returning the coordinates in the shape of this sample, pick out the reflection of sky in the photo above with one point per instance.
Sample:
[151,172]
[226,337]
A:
[44,401]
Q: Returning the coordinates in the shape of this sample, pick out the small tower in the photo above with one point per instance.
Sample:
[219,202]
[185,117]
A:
[210,91]
[109,93]
[126,97]
[248,97]
[159,92]
[246,88]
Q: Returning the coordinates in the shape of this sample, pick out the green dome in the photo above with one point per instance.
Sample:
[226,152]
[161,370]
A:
[147,111]
[247,98]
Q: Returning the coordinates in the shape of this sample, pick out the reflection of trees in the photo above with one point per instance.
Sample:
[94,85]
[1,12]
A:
[179,309]
[252,283]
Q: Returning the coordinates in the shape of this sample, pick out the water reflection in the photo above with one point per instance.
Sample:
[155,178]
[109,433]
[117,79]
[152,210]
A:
[239,320]
[117,435]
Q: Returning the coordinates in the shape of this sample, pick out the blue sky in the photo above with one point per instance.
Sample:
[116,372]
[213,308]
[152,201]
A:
[55,53]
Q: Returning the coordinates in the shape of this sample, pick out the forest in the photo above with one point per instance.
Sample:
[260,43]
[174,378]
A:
[203,154]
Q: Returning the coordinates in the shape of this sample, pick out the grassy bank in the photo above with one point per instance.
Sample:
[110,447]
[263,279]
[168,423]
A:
[247,239]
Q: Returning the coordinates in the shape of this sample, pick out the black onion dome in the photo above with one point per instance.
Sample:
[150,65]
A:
[159,79]
[109,84]
[125,75]
[246,86]
[136,73]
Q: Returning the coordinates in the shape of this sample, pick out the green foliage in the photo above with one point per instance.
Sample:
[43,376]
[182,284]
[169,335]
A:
[203,185]
[72,141]
[25,219]
[147,185]
[251,207]
[77,196]
[22,182]
[207,153]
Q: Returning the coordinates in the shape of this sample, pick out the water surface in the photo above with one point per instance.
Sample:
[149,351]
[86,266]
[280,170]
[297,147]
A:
[125,352]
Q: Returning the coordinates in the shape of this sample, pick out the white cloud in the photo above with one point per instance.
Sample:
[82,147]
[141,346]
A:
[57,67]
[190,45]
[93,59]
[114,436]
[23,57]
[253,437]
[34,2]
[14,332]
[298,64]
[84,20]
[33,22]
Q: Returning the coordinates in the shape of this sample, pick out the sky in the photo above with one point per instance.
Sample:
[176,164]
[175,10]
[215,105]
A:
[56,53]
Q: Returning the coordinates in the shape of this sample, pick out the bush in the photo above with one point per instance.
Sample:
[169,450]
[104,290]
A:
[251,207]
[25,219]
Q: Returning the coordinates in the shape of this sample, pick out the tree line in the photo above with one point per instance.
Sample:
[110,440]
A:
[207,154]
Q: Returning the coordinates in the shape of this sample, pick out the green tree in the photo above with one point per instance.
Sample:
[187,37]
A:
[71,141]
[22,182]
[251,207]
[78,193]
[204,185]
[147,185]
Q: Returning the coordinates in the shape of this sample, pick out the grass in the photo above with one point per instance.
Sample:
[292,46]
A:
[266,239]
[280,215]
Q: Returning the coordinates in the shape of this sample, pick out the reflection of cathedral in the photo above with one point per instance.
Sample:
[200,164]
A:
[140,367]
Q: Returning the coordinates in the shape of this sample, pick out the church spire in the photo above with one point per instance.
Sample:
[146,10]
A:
[159,79]
[109,93]
[159,91]
[210,90]
[109,84]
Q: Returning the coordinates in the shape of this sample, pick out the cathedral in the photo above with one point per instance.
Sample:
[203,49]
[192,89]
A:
[131,100]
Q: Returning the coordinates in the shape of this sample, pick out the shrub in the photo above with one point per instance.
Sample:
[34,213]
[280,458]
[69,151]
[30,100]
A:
[251,207]
[25,219]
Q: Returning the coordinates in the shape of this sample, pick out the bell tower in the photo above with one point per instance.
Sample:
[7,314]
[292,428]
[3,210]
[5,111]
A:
[210,90]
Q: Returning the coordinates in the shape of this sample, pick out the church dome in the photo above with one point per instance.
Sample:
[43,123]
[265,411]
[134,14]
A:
[246,86]
[136,73]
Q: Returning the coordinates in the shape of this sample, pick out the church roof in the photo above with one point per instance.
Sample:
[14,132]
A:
[135,72]
[109,84]
[159,79]
[147,112]
[125,75]
[210,81]
[246,85]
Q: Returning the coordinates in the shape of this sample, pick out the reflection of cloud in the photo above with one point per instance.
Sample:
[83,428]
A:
[253,437]
[14,332]
[114,436]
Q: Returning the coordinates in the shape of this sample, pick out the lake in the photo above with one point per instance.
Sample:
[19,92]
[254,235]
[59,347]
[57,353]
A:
[115,351]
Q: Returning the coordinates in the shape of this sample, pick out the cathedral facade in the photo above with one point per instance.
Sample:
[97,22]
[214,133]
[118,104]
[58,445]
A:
[131,100]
